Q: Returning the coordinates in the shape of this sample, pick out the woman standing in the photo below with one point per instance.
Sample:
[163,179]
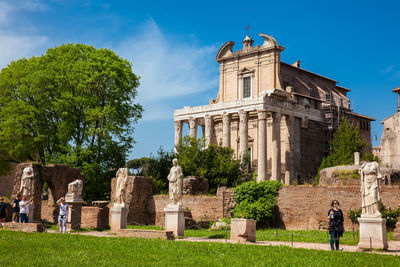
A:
[335,224]
[62,217]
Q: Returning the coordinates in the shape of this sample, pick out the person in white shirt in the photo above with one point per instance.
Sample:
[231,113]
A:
[24,209]
[62,217]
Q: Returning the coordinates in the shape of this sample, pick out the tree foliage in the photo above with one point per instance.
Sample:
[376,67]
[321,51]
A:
[256,201]
[215,163]
[156,166]
[73,105]
[346,140]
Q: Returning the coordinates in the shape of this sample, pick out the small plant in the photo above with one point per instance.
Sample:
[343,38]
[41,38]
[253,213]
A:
[391,215]
[348,174]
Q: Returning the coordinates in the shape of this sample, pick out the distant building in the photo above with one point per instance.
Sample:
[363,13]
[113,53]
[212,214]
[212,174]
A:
[390,140]
[281,115]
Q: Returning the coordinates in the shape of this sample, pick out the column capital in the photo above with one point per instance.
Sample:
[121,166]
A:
[192,122]
[262,114]
[208,120]
[178,124]
[243,116]
[226,118]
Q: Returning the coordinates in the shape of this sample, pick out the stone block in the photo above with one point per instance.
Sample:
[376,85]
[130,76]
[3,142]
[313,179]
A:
[175,220]
[140,233]
[194,185]
[23,227]
[118,219]
[372,233]
[243,230]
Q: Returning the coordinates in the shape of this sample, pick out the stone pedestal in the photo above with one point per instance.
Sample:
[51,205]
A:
[372,233]
[74,216]
[243,230]
[119,218]
[175,219]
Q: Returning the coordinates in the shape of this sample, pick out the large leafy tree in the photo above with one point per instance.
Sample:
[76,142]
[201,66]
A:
[215,163]
[72,105]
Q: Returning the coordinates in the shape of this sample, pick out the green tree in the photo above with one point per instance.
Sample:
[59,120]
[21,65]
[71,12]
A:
[215,163]
[73,105]
[346,140]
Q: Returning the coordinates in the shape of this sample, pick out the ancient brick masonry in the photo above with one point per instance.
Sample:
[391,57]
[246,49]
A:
[56,176]
[193,185]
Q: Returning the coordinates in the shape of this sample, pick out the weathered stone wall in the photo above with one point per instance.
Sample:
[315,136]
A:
[139,201]
[7,182]
[306,207]
[193,185]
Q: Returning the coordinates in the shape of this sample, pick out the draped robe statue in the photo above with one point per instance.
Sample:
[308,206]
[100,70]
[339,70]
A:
[122,179]
[370,174]
[175,184]
[26,181]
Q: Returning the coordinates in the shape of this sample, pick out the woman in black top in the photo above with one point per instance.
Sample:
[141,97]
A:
[335,224]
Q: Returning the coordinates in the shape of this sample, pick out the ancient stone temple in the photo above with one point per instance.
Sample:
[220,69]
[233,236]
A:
[280,115]
[389,150]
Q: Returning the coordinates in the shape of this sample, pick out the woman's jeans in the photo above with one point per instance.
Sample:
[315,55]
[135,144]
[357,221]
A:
[334,240]
[62,221]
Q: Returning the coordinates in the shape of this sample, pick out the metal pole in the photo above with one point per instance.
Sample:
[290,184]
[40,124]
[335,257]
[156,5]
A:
[370,243]
[292,239]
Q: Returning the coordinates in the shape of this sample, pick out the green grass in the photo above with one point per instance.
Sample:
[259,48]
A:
[44,249]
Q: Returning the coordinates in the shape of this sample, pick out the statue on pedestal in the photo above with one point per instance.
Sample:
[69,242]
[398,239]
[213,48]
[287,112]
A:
[370,174]
[120,188]
[25,188]
[74,193]
[175,184]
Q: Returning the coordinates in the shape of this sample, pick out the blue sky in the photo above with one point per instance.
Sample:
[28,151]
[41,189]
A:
[173,44]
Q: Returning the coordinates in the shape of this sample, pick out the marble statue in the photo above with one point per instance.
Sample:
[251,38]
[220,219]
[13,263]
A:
[26,181]
[370,174]
[175,177]
[74,193]
[120,188]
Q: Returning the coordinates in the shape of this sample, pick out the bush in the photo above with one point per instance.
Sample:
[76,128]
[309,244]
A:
[391,215]
[257,201]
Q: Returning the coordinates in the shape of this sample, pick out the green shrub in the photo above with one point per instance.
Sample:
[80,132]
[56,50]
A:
[391,215]
[256,200]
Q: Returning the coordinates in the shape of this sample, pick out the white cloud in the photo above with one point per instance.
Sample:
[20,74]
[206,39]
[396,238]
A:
[33,5]
[14,47]
[388,69]
[169,69]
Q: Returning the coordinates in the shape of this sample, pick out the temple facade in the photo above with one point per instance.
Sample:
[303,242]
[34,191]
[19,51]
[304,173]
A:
[279,115]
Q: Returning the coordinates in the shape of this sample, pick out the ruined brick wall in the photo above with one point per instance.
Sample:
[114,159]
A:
[95,217]
[57,176]
[306,207]
[228,200]
[7,182]
[203,208]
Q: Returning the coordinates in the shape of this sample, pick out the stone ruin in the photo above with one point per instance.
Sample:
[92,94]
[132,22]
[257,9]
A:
[138,199]
[194,185]
[57,177]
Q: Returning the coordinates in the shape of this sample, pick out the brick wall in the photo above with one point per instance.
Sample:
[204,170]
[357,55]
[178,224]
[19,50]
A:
[203,208]
[95,217]
[306,207]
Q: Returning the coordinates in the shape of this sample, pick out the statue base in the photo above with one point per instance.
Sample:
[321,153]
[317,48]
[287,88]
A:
[71,198]
[119,218]
[74,216]
[372,233]
[175,219]
[30,213]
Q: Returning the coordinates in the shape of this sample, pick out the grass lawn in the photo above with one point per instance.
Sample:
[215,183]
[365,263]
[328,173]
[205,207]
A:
[44,249]
[271,235]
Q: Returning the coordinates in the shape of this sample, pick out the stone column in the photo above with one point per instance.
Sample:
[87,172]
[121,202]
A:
[262,148]
[118,218]
[208,122]
[288,149]
[297,148]
[243,134]
[192,127]
[178,133]
[357,158]
[74,216]
[276,146]
[226,130]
